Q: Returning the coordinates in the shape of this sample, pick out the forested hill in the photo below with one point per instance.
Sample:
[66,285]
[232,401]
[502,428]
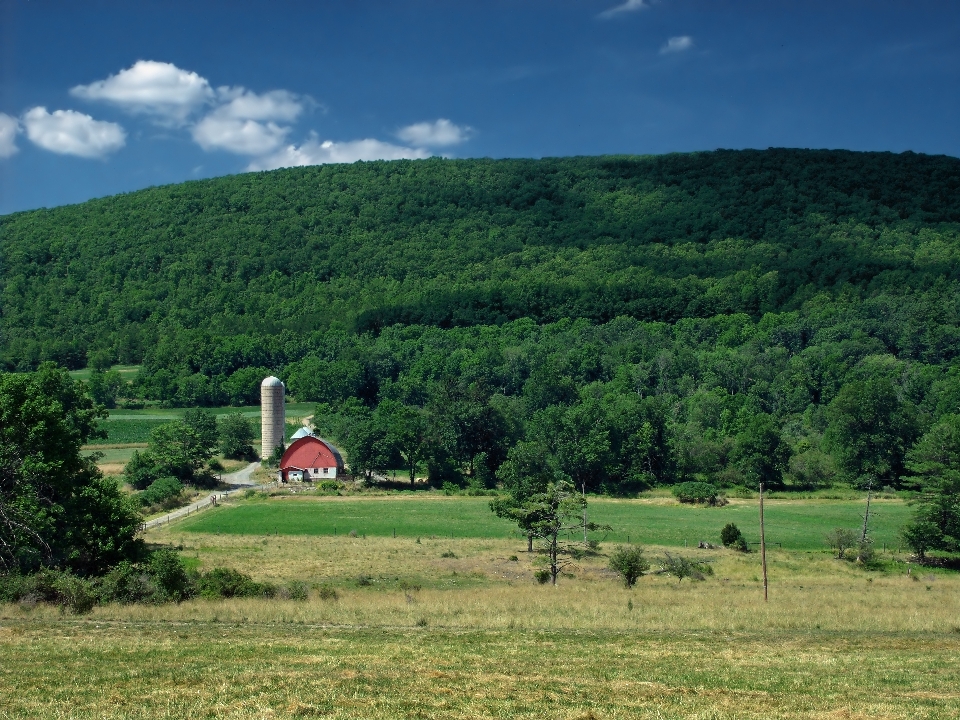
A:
[473,242]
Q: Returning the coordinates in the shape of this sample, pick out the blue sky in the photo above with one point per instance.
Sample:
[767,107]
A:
[98,98]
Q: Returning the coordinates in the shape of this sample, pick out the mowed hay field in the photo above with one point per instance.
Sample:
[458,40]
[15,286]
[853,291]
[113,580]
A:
[457,628]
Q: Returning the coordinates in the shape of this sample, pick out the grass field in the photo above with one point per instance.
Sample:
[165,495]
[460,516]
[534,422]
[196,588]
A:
[127,372]
[441,627]
[457,629]
[796,524]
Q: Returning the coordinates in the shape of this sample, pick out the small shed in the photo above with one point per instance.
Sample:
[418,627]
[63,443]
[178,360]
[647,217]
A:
[310,458]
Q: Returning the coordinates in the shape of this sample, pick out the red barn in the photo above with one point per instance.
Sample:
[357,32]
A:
[310,458]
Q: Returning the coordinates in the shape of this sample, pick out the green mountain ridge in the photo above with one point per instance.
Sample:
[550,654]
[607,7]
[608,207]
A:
[472,242]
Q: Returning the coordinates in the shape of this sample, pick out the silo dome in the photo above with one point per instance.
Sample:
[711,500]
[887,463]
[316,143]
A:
[271,382]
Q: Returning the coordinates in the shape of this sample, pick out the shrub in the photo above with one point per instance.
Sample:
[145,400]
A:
[364,581]
[841,540]
[699,492]
[629,563]
[74,593]
[294,590]
[542,576]
[730,534]
[160,490]
[681,567]
[228,583]
[127,583]
[327,593]
[329,485]
[448,554]
[169,574]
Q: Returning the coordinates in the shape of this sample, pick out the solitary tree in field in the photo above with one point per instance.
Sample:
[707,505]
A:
[528,470]
[550,515]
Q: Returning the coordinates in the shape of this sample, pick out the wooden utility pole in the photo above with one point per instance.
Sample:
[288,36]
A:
[866,515]
[584,496]
[763,546]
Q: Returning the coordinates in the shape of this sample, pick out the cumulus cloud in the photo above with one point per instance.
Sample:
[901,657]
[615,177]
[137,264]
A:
[677,44]
[150,87]
[247,123]
[628,6]
[72,133]
[314,152]
[9,127]
[241,104]
[441,133]
[244,137]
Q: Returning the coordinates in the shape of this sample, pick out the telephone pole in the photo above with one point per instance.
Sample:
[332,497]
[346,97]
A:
[763,546]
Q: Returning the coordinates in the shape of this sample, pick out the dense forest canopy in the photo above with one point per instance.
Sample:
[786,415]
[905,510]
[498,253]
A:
[472,242]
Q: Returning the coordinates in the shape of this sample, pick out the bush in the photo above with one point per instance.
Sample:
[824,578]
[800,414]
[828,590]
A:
[74,593]
[629,563]
[327,593]
[294,590]
[229,583]
[127,583]
[732,538]
[329,485]
[699,492]
[542,576]
[681,567]
[841,540]
[169,574]
[160,490]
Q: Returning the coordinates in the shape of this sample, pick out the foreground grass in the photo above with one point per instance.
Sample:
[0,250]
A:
[796,524]
[93,669]
[457,628]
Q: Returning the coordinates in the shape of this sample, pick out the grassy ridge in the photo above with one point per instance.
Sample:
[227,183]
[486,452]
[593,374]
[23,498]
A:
[797,525]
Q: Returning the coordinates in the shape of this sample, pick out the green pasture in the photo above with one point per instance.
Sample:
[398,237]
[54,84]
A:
[127,372]
[794,524]
[134,426]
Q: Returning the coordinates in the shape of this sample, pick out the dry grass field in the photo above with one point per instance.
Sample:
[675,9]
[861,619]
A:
[450,628]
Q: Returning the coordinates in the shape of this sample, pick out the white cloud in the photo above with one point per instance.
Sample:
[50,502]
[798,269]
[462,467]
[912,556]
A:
[244,137]
[628,6]
[677,44]
[71,133]
[241,104]
[314,152]
[436,134]
[9,127]
[150,87]
[244,123]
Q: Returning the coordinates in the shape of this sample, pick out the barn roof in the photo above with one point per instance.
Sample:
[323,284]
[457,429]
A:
[310,451]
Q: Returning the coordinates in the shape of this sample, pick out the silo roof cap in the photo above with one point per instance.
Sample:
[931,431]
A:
[271,382]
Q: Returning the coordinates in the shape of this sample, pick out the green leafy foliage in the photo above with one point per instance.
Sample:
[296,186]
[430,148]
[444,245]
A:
[629,563]
[56,509]
[681,567]
[235,437]
[160,490]
[697,492]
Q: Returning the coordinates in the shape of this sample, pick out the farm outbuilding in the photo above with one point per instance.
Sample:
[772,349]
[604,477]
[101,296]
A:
[309,458]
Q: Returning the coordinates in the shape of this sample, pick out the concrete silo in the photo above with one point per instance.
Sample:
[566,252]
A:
[273,415]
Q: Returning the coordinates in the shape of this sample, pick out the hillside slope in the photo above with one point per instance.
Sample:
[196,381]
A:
[473,242]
